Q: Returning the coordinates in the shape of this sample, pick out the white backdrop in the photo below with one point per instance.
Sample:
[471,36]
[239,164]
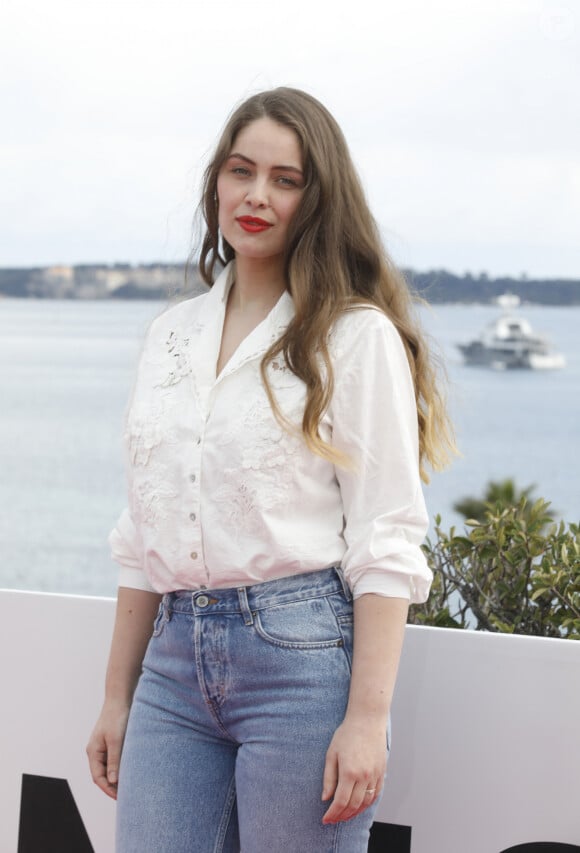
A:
[486,747]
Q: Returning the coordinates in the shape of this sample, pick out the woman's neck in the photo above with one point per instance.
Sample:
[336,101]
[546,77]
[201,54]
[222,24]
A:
[259,283]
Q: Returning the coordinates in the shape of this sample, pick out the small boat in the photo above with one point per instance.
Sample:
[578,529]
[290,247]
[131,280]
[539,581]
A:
[510,343]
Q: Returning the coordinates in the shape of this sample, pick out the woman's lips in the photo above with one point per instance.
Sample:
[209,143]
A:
[253,224]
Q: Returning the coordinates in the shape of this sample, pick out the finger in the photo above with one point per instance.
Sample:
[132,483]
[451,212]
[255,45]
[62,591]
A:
[330,776]
[379,788]
[113,758]
[98,768]
[362,796]
[357,801]
[372,793]
[340,803]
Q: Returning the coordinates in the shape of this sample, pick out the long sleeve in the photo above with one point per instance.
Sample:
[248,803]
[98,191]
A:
[375,424]
[126,549]
[124,539]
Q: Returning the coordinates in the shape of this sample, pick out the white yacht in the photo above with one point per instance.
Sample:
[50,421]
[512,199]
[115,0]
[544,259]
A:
[510,342]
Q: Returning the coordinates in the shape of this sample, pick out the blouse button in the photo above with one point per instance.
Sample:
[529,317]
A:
[193,555]
[192,516]
[192,478]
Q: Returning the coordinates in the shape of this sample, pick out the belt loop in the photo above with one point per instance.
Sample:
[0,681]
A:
[244,606]
[345,586]
[166,602]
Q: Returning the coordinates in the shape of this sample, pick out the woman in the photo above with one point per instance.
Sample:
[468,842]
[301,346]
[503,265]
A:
[276,436]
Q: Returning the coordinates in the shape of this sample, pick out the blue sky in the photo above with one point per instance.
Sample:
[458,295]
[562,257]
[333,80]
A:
[463,119]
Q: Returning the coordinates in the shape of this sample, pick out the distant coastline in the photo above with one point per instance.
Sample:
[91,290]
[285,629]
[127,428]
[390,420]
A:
[163,281]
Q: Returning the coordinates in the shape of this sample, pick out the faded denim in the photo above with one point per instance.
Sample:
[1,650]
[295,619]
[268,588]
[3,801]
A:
[241,692]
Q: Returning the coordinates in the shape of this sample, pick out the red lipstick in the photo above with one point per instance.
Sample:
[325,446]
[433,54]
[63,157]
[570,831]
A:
[253,224]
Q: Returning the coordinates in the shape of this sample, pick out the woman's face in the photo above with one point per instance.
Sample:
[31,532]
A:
[260,187]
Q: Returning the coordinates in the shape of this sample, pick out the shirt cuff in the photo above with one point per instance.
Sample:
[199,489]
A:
[124,542]
[134,579]
[415,588]
[387,584]
[393,567]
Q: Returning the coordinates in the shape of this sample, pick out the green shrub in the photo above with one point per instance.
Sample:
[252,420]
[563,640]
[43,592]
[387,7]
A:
[515,571]
[504,492]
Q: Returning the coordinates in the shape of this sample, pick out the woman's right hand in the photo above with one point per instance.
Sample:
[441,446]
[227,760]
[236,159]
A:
[136,610]
[105,745]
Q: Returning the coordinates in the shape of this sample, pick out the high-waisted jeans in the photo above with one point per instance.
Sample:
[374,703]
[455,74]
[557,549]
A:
[240,694]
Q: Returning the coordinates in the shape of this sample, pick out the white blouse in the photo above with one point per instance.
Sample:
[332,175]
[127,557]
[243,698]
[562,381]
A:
[220,495]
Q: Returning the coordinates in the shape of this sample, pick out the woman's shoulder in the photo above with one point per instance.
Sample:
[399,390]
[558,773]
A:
[360,324]
[366,348]
[180,314]
[190,313]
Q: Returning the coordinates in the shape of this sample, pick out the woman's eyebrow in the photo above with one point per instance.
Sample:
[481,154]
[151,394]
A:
[252,163]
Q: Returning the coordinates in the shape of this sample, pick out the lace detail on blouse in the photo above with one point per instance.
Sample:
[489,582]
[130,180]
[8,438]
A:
[171,357]
[150,425]
[265,477]
[240,500]
[154,498]
[143,436]
[245,500]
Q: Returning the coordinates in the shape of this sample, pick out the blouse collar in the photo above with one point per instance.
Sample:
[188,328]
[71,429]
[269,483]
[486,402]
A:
[254,346]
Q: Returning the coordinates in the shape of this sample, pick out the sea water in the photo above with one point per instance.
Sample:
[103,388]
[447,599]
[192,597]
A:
[66,369]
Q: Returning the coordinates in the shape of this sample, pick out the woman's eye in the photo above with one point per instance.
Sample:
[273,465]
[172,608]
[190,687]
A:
[240,170]
[287,182]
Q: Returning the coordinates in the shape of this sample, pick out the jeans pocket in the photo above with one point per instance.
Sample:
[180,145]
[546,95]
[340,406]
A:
[309,624]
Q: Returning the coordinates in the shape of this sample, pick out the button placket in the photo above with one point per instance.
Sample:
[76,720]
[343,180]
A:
[193,479]
[203,396]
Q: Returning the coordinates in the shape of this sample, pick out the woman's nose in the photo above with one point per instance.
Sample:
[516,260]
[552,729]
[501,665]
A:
[257,194]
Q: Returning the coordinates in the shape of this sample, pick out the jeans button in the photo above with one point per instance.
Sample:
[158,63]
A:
[202,601]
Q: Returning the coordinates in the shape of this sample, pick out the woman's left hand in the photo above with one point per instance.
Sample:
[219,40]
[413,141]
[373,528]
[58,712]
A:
[355,768]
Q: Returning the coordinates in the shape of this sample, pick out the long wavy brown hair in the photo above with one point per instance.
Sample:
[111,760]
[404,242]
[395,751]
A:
[334,259]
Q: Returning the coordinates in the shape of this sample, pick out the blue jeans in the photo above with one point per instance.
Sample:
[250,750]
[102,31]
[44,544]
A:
[241,692]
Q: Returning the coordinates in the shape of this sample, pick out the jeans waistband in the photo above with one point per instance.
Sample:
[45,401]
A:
[258,596]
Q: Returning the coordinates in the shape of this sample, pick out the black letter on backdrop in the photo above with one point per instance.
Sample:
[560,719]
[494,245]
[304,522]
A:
[50,821]
[389,838]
